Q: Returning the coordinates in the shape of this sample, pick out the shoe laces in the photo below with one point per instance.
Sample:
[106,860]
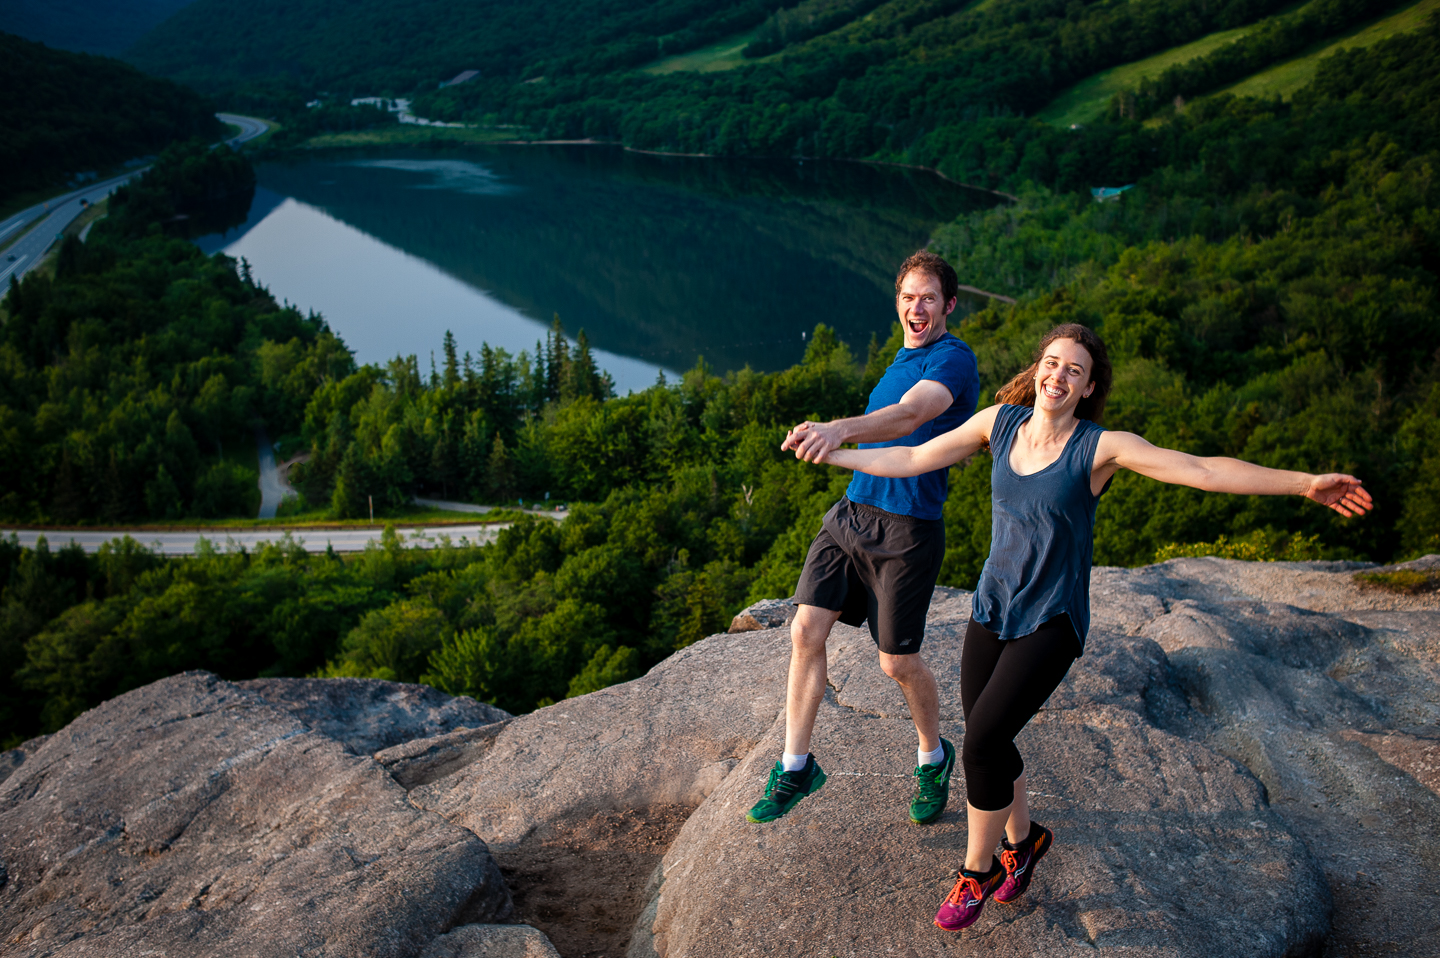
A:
[1010,860]
[926,787]
[957,896]
[782,784]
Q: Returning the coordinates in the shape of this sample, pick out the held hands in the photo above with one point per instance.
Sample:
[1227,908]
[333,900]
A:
[813,441]
[1340,492]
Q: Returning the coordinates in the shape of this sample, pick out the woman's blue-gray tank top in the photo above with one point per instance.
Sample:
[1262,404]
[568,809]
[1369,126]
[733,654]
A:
[1042,535]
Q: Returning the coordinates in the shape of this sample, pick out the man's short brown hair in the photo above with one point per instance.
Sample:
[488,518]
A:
[932,264]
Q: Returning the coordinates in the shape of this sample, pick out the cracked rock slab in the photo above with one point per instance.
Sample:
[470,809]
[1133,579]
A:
[11,760]
[423,761]
[1328,691]
[667,738]
[368,715]
[192,817]
[765,614]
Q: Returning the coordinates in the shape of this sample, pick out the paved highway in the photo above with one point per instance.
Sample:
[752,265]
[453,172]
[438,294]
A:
[313,540]
[25,254]
[56,214]
[250,127]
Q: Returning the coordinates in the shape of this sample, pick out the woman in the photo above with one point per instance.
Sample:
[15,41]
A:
[1052,462]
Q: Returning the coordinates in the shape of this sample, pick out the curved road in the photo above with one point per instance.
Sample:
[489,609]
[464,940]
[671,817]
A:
[56,214]
[250,127]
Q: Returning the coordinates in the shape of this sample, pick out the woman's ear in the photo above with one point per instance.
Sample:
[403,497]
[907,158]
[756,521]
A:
[1088,390]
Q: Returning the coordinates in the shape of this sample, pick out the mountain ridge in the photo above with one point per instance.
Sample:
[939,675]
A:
[80,112]
[105,27]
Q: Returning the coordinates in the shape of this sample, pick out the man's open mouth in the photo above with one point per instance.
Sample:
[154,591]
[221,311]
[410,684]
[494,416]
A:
[918,327]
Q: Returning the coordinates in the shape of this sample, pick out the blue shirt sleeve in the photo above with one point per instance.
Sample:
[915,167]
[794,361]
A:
[955,369]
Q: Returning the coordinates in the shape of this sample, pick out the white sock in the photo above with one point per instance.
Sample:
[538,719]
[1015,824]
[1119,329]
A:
[793,763]
[931,758]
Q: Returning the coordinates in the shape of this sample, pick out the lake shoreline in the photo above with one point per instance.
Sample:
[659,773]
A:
[432,140]
[310,147]
[493,242]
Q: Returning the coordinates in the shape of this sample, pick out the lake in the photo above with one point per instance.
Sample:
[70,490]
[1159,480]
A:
[659,259]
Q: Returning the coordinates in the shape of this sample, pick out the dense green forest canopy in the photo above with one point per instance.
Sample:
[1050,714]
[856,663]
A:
[1267,290]
[898,79]
[126,377]
[1293,325]
[67,113]
[106,27]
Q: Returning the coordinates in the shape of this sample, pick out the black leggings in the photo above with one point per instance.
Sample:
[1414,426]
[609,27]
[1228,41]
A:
[1002,686]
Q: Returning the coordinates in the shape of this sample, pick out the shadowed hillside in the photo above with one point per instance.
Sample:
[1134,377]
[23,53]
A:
[67,113]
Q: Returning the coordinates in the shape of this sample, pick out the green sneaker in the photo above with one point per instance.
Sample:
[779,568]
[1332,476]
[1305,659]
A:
[932,788]
[786,789]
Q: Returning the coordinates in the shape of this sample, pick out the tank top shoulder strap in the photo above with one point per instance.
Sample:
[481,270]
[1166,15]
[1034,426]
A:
[1081,451]
[1007,422]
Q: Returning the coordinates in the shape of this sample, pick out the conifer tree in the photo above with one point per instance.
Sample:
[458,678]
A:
[352,485]
[69,501]
[500,472]
[162,497]
[583,378]
[452,366]
[473,454]
[119,495]
[445,455]
[557,360]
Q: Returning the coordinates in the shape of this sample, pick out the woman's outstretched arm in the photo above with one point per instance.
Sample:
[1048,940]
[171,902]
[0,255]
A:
[897,462]
[1124,450]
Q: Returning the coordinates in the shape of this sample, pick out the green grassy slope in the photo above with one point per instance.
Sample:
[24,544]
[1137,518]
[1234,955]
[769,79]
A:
[1278,56]
[1085,102]
[726,54]
[362,45]
[1285,79]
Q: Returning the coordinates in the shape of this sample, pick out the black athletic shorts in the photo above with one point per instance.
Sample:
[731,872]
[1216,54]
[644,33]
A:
[868,564]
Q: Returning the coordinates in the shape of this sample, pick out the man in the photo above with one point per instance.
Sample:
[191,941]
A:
[879,551]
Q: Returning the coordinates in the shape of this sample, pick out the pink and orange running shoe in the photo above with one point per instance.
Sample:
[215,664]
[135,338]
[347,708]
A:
[1019,861]
[965,901]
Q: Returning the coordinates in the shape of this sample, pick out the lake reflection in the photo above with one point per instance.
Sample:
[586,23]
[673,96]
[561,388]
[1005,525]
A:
[371,296]
[659,259]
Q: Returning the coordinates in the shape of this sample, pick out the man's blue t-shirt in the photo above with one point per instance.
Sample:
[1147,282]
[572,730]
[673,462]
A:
[950,363]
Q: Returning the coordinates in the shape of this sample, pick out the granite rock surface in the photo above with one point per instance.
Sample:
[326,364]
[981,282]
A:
[368,715]
[1245,761]
[1154,830]
[194,817]
[491,941]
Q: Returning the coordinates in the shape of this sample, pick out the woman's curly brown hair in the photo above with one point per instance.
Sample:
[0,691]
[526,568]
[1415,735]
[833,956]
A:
[1020,390]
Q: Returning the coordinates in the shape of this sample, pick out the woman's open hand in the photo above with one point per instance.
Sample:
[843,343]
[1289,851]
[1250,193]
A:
[1340,492]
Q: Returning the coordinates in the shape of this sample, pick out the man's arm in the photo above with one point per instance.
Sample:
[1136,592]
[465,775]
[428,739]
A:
[813,441]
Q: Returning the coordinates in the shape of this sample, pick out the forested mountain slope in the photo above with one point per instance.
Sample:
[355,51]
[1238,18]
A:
[825,78]
[377,46]
[86,26]
[65,113]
